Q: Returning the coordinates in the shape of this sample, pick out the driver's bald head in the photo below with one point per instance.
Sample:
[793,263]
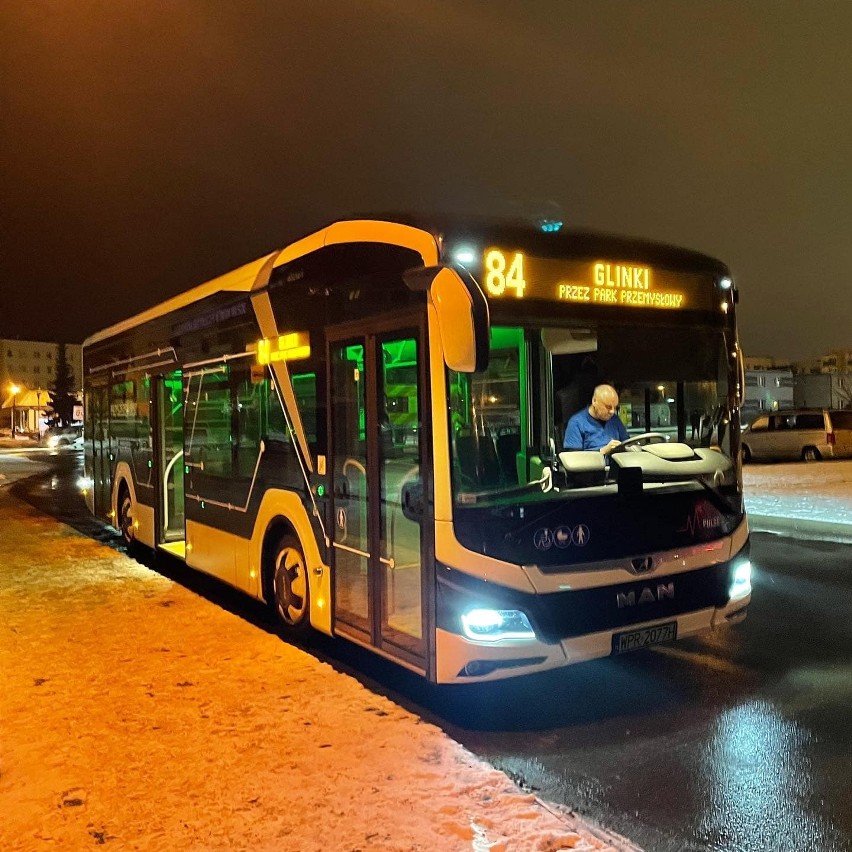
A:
[604,402]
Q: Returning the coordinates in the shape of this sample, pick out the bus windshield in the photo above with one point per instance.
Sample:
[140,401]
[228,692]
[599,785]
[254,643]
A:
[508,423]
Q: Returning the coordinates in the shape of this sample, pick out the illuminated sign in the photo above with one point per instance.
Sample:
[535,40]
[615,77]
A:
[504,272]
[288,347]
[510,275]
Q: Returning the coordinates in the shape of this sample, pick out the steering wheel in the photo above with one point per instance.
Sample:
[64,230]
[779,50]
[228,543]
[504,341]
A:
[638,441]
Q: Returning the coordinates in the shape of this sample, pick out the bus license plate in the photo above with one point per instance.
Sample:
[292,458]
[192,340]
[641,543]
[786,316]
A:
[644,637]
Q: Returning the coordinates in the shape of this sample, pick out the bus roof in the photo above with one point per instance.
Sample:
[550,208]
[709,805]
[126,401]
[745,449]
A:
[424,234]
[255,275]
[564,242]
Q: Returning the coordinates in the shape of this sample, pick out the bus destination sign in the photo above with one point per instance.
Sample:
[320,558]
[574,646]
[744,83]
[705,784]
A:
[515,275]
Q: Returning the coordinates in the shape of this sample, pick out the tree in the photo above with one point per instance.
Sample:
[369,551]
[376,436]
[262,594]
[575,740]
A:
[62,397]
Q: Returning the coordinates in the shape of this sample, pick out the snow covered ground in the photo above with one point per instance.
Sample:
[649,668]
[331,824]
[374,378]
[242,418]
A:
[800,498]
[136,714]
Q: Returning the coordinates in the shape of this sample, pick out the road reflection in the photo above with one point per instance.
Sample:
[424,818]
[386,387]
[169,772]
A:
[757,774]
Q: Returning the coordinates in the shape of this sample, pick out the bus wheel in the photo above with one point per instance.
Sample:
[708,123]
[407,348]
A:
[290,592]
[811,454]
[125,516]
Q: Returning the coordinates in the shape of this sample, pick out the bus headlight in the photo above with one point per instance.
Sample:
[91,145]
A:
[490,625]
[84,483]
[741,584]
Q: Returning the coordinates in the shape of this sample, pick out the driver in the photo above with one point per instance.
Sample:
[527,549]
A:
[596,427]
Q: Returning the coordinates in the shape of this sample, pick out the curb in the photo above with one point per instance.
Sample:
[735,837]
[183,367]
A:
[578,824]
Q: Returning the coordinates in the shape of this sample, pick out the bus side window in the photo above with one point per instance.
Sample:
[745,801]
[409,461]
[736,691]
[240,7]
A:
[209,442]
[249,409]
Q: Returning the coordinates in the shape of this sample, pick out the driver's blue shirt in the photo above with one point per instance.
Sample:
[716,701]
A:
[585,432]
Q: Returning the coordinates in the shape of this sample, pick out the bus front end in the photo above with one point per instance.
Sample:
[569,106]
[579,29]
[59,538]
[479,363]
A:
[548,555]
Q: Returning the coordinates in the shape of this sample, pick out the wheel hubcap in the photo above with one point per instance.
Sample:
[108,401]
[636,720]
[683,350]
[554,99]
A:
[290,586]
[125,519]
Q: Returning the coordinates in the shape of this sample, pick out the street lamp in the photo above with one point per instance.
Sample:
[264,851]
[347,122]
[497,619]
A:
[15,390]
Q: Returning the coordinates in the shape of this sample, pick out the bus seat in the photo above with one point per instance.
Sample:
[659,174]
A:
[583,467]
[488,462]
[508,447]
[477,460]
[465,456]
[582,461]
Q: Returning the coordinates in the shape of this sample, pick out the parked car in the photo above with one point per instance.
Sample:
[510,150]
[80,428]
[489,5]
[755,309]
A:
[799,433]
[64,436]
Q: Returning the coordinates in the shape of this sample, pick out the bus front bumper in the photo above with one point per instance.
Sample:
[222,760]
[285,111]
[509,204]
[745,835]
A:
[461,660]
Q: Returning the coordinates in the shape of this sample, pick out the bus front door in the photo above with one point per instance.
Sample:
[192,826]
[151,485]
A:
[377,464]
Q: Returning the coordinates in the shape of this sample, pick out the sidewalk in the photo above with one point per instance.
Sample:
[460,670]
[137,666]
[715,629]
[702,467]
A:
[137,715]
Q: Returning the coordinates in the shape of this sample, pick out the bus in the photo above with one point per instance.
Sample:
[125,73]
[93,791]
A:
[364,431]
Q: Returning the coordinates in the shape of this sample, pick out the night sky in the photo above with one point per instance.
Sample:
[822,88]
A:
[148,147]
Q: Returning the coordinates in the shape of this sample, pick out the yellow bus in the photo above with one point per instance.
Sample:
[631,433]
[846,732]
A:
[364,429]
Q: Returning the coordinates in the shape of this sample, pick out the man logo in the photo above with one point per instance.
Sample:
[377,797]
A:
[642,564]
[647,595]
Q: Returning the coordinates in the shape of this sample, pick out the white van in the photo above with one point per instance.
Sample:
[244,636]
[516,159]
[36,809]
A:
[63,436]
[802,433]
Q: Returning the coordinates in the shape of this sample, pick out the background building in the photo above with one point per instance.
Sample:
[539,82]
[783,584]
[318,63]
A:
[823,390]
[836,361]
[30,365]
[768,387]
[824,381]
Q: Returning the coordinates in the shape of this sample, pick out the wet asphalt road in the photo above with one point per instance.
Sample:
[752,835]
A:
[741,740]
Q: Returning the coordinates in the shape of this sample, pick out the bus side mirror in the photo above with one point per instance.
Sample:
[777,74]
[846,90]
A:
[462,310]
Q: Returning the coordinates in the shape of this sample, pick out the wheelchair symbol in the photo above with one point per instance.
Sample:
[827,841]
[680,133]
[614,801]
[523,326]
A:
[543,539]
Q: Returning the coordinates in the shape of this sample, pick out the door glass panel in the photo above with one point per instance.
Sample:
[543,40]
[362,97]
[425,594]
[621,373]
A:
[171,425]
[351,499]
[97,449]
[401,495]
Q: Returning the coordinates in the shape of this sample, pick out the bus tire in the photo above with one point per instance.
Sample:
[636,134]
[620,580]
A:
[125,516]
[290,599]
[810,454]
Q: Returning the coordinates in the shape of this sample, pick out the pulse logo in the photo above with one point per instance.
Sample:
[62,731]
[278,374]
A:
[704,519]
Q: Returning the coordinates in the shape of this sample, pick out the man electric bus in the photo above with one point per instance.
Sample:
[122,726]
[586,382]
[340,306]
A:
[364,430]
